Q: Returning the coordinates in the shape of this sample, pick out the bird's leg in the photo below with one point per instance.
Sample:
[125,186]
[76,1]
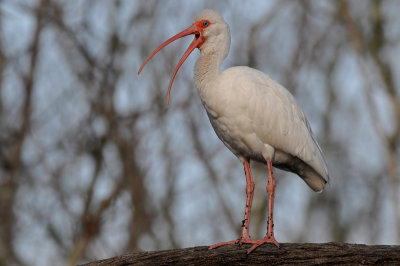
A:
[269,238]
[245,237]
[271,195]
[249,200]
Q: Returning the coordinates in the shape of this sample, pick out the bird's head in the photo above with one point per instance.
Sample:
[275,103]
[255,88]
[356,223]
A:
[209,30]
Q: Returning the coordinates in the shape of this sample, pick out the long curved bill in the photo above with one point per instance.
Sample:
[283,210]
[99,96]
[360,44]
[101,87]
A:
[195,44]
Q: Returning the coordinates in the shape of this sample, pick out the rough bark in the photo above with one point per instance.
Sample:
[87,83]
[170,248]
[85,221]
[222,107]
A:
[287,254]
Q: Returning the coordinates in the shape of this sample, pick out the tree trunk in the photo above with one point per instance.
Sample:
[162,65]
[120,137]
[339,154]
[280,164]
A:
[286,254]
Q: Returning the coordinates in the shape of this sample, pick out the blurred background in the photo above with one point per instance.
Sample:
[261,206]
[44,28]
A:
[93,163]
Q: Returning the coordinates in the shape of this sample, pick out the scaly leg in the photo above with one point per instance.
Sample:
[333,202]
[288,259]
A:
[269,238]
[245,237]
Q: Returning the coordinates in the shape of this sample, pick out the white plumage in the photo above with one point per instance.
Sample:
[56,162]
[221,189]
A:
[254,116]
[258,119]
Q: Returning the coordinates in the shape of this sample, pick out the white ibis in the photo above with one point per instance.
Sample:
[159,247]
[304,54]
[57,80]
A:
[254,116]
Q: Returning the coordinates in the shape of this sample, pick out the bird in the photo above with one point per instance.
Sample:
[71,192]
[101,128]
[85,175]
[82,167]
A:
[253,115]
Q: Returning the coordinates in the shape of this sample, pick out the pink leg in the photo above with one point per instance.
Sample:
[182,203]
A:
[249,201]
[245,237]
[269,238]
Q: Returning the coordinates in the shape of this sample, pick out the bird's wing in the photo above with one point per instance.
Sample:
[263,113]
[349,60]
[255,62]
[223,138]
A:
[279,122]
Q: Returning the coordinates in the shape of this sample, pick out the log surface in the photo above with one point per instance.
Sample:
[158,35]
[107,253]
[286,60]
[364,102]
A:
[286,254]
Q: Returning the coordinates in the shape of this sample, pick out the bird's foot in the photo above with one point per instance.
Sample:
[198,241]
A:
[224,243]
[256,243]
[243,240]
[259,242]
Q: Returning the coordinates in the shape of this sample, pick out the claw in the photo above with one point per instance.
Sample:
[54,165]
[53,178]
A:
[257,243]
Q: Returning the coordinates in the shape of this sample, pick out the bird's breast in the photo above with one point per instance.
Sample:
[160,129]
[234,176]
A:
[230,112]
[237,134]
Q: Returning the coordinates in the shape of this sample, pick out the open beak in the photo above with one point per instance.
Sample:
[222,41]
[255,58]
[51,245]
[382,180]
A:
[196,43]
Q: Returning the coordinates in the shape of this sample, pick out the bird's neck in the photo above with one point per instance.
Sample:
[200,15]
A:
[212,54]
[207,68]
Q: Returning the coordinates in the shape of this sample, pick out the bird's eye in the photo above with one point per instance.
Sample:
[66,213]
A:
[205,23]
